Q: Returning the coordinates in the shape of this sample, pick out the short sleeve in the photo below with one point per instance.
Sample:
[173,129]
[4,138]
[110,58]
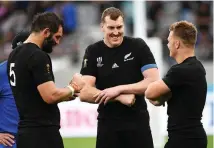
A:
[89,62]
[40,66]
[174,77]
[146,57]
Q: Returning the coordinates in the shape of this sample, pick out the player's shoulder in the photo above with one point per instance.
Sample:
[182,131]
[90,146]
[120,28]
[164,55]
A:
[25,50]
[33,50]
[95,46]
[189,64]
[179,69]
[193,65]
[136,41]
[29,46]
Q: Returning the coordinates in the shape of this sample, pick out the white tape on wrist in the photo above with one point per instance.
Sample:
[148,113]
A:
[72,89]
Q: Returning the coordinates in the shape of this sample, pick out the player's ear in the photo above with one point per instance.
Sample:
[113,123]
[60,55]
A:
[102,26]
[46,32]
[177,44]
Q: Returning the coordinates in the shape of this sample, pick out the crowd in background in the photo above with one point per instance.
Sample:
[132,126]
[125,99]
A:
[81,20]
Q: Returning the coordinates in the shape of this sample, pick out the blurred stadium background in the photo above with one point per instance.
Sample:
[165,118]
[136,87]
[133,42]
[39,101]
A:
[78,120]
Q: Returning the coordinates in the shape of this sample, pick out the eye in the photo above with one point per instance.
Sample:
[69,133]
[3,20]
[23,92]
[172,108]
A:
[111,27]
[58,37]
[119,27]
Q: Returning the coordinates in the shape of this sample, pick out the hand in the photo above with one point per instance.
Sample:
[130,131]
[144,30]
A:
[157,103]
[107,95]
[77,82]
[126,99]
[6,139]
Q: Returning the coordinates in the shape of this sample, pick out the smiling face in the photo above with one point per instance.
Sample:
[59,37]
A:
[113,31]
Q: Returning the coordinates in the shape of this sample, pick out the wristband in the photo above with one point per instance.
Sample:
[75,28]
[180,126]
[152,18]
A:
[75,86]
[72,89]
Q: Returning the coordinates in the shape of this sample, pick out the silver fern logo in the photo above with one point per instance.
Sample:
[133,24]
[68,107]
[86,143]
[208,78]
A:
[126,57]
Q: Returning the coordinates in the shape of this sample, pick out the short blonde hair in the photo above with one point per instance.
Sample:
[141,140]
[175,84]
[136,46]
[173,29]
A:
[113,12]
[186,31]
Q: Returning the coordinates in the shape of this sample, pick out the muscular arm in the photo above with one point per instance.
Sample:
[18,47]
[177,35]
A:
[158,93]
[88,92]
[156,90]
[161,100]
[164,88]
[51,94]
[150,75]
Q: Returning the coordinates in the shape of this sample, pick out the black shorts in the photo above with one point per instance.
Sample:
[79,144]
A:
[46,137]
[109,136]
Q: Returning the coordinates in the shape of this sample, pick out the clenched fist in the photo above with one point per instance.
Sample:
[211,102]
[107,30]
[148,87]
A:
[77,82]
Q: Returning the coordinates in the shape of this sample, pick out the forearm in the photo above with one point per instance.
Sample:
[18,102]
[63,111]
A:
[88,92]
[61,94]
[51,94]
[136,88]
[159,101]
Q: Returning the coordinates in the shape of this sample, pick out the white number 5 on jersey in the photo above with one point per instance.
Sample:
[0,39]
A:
[12,74]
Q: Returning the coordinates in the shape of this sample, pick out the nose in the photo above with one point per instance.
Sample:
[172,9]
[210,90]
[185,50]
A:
[116,32]
[57,42]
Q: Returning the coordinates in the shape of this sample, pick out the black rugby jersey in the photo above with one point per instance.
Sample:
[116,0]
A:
[187,82]
[28,67]
[118,66]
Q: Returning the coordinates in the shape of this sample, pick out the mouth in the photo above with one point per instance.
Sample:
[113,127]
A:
[115,37]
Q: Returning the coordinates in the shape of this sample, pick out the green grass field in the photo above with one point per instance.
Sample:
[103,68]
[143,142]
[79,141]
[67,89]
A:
[90,142]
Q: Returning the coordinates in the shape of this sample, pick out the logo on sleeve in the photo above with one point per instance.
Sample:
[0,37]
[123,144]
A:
[99,62]
[48,68]
[85,63]
[127,57]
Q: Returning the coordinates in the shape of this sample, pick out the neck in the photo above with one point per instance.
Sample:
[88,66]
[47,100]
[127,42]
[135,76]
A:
[185,53]
[110,45]
[36,39]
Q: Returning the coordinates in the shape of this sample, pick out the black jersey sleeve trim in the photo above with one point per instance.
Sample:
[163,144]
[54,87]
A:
[148,66]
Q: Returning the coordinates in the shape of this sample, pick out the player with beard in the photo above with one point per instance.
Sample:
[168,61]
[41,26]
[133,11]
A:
[119,66]
[31,78]
[8,111]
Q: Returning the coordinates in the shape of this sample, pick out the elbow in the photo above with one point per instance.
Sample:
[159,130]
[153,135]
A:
[149,94]
[156,103]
